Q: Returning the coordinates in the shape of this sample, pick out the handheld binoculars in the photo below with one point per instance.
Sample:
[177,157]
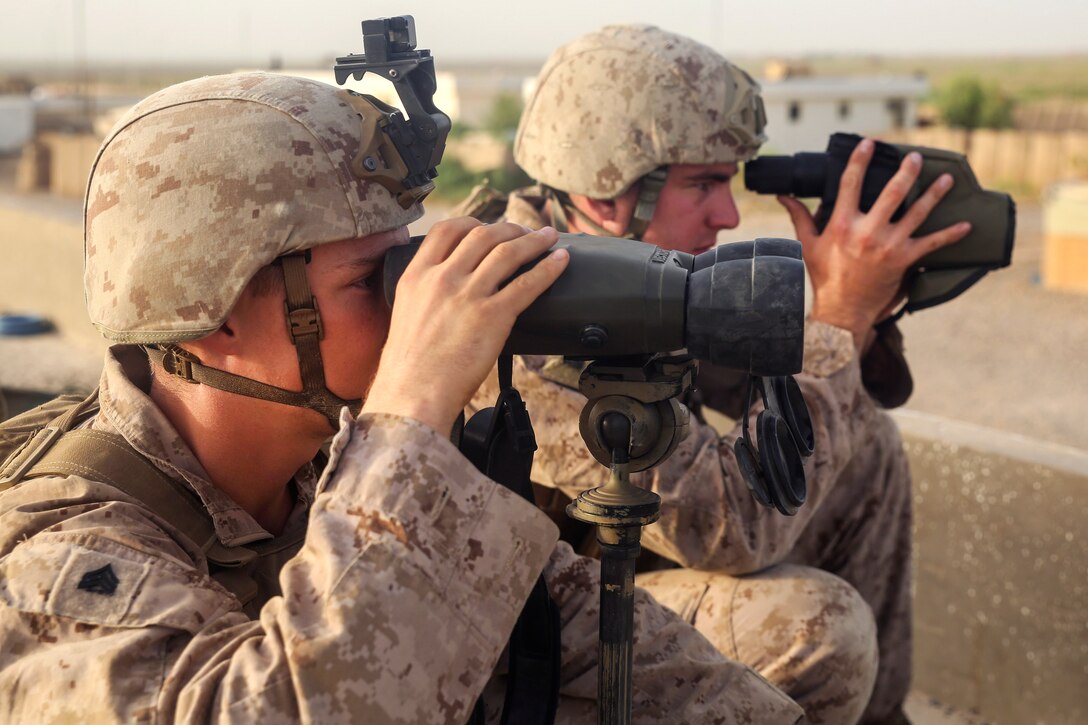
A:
[940,275]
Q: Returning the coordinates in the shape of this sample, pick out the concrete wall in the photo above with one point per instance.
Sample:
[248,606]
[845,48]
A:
[1001,571]
[1065,244]
[41,244]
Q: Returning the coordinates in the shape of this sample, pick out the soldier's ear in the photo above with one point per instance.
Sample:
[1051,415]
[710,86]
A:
[612,215]
[243,329]
[213,349]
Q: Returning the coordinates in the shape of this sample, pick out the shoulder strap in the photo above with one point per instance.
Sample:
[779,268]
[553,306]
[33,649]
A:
[36,431]
[107,457]
[57,450]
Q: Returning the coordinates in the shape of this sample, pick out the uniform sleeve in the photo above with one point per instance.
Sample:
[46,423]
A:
[412,574]
[709,519]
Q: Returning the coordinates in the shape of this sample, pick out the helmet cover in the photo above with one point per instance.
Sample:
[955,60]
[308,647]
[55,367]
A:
[202,184]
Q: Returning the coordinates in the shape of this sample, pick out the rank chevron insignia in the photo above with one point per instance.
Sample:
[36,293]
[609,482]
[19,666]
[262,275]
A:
[100,581]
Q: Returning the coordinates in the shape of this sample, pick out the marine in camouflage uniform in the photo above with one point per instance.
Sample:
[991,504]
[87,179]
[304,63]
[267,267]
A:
[386,587]
[625,125]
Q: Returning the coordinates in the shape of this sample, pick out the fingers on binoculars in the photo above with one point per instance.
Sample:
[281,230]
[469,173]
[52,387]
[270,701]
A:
[852,178]
[520,292]
[921,209]
[940,238]
[443,238]
[801,218]
[505,258]
[896,190]
[480,242]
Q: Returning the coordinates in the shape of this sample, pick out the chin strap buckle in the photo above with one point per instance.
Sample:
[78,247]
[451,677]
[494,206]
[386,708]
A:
[179,363]
[304,321]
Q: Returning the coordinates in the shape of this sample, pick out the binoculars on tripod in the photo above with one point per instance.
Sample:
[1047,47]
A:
[623,304]
[740,305]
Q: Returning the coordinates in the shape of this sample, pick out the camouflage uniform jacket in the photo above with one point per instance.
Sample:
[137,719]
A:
[396,609]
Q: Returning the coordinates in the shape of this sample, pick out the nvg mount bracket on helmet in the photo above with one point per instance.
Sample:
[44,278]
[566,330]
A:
[404,156]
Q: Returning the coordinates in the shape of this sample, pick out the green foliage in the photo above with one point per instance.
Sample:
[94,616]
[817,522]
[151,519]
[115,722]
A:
[458,129]
[454,181]
[967,102]
[502,119]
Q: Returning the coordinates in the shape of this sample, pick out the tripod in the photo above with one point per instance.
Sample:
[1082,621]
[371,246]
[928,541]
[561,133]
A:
[631,422]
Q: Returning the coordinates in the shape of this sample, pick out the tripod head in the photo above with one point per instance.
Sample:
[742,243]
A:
[644,390]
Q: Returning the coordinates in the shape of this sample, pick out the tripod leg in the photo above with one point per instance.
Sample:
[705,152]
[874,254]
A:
[619,550]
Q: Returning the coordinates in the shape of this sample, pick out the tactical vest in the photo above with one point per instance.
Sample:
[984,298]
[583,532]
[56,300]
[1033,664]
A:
[45,442]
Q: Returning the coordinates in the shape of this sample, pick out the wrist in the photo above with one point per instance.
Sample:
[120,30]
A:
[828,348]
[847,318]
[410,406]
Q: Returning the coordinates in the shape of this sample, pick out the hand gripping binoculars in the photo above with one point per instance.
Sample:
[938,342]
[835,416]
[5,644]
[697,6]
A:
[939,276]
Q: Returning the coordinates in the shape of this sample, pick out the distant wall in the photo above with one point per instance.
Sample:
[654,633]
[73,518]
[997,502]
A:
[1001,571]
[1032,160]
[42,269]
[479,151]
[1065,240]
[70,159]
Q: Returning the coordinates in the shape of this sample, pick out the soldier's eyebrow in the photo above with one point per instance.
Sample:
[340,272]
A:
[712,176]
[364,260]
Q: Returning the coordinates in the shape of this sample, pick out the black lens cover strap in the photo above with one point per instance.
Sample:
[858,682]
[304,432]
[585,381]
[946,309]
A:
[774,472]
[500,442]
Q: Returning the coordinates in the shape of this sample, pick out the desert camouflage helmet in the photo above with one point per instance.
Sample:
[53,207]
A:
[204,183]
[618,103]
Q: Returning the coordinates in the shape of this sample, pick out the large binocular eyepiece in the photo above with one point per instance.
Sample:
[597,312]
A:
[739,305]
[940,275]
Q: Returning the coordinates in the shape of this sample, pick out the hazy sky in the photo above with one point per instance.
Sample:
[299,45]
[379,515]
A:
[300,31]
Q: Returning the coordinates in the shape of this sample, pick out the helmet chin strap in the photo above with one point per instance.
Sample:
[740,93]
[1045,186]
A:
[649,190]
[304,326]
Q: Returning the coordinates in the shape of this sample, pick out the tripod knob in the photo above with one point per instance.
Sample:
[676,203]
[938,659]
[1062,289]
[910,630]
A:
[615,434]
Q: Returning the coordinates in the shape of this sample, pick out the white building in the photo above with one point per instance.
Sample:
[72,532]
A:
[16,122]
[803,112]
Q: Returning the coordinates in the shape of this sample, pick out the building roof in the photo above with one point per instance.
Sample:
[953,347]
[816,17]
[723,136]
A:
[843,87]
